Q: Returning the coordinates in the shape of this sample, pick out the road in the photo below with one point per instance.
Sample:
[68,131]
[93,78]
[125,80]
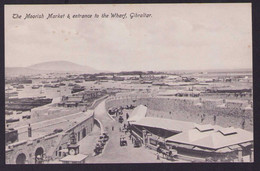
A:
[113,152]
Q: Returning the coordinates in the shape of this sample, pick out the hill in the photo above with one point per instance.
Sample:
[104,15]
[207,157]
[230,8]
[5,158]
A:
[62,66]
[49,67]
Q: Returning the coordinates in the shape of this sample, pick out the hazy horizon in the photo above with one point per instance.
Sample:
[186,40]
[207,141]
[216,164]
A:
[177,37]
[177,70]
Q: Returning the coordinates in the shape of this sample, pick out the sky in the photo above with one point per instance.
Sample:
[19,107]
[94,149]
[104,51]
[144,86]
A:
[175,37]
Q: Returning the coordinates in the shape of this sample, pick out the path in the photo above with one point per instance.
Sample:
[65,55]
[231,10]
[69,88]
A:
[113,152]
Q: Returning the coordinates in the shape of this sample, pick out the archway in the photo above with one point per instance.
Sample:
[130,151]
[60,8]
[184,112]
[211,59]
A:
[84,133]
[39,155]
[21,159]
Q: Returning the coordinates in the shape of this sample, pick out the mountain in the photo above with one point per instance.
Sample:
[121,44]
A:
[48,67]
[62,66]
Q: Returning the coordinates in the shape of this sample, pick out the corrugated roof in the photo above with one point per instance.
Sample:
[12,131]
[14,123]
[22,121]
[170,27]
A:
[138,113]
[167,124]
[212,139]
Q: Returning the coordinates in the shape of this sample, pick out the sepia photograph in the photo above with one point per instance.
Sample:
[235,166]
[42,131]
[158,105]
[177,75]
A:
[128,83]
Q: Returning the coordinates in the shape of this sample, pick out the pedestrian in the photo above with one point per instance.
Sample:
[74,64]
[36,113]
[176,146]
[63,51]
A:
[29,130]
[215,119]
[112,128]
[243,123]
[158,156]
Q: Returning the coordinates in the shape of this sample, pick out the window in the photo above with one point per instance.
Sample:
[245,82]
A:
[153,142]
[84,132]
[59,151]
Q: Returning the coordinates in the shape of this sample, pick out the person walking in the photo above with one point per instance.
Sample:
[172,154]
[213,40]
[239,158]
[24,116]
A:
[157,156]
[243,123]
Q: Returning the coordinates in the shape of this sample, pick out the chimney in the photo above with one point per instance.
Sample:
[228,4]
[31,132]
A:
[29,131]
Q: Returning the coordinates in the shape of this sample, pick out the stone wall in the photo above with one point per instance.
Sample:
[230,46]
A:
[187,109]
[51,144]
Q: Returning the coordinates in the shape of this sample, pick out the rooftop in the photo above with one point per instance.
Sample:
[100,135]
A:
[74,158]
[167,124]
[138,113]
[214,138]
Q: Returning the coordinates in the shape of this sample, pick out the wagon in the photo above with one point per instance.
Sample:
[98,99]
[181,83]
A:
[123,142]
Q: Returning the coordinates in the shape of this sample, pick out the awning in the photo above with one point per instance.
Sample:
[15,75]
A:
[245,144]
[234,147]
[202,149]
[185,146]
[172,143]
[224,150]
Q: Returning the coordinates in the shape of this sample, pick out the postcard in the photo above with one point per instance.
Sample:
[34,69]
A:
[128,83]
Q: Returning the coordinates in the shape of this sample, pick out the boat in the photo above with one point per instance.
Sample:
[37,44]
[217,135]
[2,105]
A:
[90,79]
[20,86]
[71,84]
[19,81]
[25,104]
[35,86]
[55,86]
[62,84]
[8,112]
[78,81]
[11,94]
[9,88]
[47,85]
[76,89]
[45,82]
[12,120]
[19,112]
[57,81]
[25,81]
[26,116]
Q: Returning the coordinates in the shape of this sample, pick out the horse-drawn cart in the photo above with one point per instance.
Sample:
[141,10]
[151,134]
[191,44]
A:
[123,142]
[169,154]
